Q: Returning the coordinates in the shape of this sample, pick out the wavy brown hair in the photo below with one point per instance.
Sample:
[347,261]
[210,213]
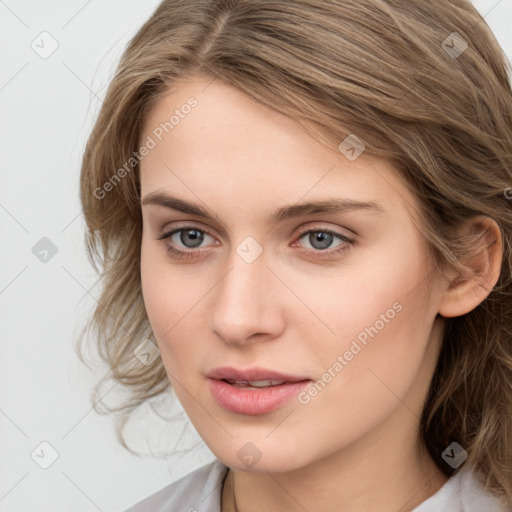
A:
[384,70]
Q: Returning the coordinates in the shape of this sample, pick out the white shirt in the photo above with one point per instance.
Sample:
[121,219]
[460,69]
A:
[200,491]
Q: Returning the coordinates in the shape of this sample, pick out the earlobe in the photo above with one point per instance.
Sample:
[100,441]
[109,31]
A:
[469,288]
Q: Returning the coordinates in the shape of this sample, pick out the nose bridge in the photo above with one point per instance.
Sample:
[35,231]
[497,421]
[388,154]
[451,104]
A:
[242,303]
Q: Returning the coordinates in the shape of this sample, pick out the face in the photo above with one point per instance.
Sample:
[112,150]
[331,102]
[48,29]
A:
[286,336]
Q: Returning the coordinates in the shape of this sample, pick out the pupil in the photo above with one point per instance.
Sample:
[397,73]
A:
[193,235]
[320,240]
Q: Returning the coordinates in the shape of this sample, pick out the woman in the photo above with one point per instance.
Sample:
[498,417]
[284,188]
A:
[302,215]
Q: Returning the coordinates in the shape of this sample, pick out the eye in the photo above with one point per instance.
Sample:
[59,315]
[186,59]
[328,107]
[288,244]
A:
[189,237]
[186,241]
[320,240]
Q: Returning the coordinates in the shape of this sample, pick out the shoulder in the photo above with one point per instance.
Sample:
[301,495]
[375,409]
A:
[199,491]
[463,492]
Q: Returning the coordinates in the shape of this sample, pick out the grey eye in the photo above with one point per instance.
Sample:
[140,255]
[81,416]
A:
[320,239]
[189,237]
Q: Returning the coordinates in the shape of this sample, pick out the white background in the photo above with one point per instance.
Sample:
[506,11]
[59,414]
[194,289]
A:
[47,110]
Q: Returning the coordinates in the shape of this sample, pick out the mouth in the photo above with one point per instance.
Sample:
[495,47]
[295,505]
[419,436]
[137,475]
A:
[254,391]
[254,384]
[253,375]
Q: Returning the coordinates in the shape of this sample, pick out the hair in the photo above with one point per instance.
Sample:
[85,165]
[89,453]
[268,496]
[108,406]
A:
[379,69]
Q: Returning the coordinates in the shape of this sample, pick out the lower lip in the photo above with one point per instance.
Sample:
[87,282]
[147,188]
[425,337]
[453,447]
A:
[254,401]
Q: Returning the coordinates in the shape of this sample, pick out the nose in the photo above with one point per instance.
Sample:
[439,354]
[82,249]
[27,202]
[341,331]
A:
[246,304]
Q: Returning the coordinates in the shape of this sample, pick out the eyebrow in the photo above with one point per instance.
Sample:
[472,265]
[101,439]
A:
[333,205]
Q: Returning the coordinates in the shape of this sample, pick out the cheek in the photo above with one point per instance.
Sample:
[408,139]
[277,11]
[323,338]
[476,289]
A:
[163,293]
[153,289]
[174,298]
[377,296]
[360,383]
[382,314]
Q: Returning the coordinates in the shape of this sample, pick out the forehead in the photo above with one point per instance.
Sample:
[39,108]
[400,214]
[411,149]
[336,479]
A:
[214,141]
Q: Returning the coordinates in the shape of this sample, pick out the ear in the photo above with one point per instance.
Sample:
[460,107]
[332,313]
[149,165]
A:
[466,290]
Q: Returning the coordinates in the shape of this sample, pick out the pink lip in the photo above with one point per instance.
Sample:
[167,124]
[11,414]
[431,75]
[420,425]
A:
[252,401]
[228,372]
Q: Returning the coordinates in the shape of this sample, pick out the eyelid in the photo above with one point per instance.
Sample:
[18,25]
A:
[322,227]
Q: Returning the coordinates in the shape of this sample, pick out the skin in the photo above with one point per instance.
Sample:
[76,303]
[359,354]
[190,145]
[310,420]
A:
[354,445]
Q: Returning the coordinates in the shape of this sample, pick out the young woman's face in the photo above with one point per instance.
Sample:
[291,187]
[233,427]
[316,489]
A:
[340,303]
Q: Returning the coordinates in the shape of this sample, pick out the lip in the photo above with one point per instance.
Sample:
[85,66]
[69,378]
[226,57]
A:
[253,401]
[256,373]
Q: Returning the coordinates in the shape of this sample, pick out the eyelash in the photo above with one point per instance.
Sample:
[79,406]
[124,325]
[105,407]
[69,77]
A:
[191,253]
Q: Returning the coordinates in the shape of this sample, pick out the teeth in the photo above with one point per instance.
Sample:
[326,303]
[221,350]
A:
[264,383]
[256,383]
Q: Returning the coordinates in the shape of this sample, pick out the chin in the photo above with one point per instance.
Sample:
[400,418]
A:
[262,456]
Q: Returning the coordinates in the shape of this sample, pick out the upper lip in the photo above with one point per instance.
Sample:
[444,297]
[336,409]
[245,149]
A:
[230,373]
